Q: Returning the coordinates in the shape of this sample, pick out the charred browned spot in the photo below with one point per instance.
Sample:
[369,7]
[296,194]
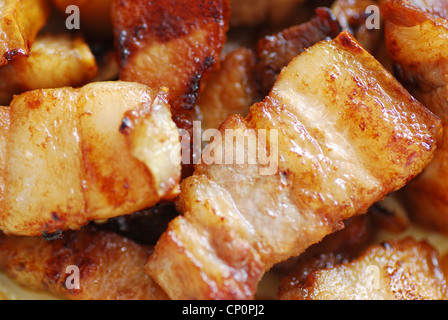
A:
[126,125]
[188,99]
[9,55]
[346,40]
[50,236]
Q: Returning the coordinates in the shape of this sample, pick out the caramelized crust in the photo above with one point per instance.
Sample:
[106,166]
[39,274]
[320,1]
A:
[170,45]
[110,266]
[348,134]
[396,270]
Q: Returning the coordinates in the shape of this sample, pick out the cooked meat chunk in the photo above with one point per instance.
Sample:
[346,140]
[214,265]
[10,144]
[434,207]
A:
[55,60]
[87,264]
[170,45]
[417,39]
[20,22]
[341,133]
[65,162]
[396,270]
[176,45]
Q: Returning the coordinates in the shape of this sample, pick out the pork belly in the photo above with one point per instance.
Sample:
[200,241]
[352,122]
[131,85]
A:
[64,160]
[336,134]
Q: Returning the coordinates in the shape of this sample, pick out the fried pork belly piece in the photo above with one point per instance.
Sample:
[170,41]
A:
[64,160]
[274,52]
[110,266]
[403,269]
[417,39]
[255,12]
[173,45]
[20,22]
[95,16]
[230,90]
[352,15]
[336,134]
[54,61]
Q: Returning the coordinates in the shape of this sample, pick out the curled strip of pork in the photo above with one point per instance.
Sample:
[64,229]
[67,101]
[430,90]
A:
[109,266]
[341,133]
[417,39]
[403,269]
[65,162]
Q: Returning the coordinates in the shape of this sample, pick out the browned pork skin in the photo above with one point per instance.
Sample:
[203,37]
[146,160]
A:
[348,134]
